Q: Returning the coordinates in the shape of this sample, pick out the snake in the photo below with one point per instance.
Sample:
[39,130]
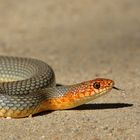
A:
[28,87]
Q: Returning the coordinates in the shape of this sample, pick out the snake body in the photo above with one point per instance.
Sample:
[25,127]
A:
[27,87]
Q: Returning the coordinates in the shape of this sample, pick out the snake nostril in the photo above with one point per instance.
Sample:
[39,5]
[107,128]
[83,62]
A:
[96,85]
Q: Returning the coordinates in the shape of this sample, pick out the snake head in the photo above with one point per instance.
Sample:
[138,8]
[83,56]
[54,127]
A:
[86,91]
[93,88]
[100,86]
[79,94]
[89,90]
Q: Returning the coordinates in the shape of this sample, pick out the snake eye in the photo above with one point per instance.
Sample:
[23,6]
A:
[96,85]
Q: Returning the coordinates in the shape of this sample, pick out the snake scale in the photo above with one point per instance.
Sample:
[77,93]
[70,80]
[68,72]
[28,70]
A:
[27,87]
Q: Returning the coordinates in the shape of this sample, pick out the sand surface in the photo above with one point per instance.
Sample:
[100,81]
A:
[81,40]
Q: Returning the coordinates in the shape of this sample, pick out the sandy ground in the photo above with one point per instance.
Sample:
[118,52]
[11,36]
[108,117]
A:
[81,40]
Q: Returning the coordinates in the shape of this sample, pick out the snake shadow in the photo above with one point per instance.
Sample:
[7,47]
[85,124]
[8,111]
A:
[101,106]
[96,106]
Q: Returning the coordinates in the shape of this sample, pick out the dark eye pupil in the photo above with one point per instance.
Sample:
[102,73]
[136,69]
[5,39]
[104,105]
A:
[96,85]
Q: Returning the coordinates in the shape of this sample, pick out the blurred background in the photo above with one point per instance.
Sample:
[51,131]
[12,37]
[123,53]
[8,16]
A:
[89,32]
[33,27]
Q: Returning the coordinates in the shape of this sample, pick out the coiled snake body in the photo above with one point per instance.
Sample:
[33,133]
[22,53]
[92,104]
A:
[27,87]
